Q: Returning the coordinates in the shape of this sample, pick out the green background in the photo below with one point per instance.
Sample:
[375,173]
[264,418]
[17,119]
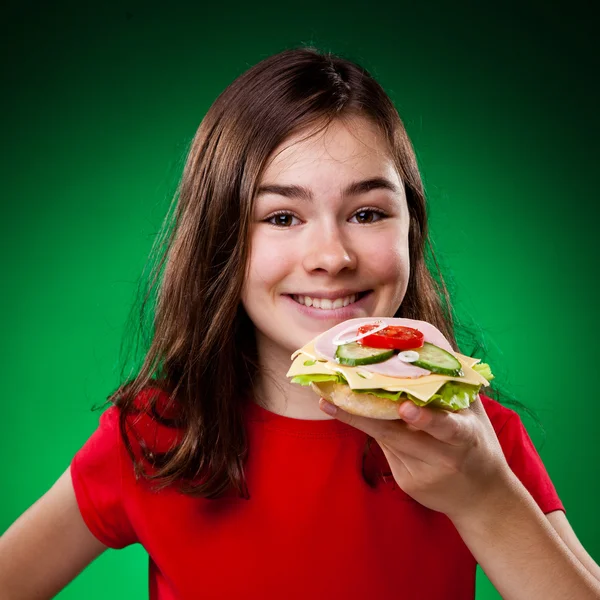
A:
[99,104]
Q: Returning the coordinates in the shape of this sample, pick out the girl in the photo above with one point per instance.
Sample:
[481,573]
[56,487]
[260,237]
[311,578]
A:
[300,185]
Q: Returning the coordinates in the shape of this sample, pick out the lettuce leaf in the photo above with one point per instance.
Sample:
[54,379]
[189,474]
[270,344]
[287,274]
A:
[308,379]
[453,395]
[484,370]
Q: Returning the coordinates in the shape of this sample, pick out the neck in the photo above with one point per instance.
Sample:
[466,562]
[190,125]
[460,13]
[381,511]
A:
[274,391]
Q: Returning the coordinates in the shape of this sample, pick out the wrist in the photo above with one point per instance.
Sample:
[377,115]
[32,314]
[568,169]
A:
[489,509]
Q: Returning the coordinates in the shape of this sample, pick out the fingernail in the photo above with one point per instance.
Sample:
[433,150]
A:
[327,407]
[409,412]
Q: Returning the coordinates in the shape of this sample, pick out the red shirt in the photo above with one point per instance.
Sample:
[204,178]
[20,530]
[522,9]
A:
[312,527]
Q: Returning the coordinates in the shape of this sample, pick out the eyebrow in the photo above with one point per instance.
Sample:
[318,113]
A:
[299,192]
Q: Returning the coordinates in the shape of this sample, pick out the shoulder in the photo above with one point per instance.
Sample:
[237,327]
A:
[157,401]
[498,414]
[145,424]
[522,455]
[510,431]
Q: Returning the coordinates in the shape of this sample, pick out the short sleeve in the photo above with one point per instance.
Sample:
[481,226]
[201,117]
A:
[97,475]
[527,464]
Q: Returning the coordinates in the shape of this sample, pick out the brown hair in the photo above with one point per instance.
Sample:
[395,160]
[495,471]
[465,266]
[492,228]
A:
[202,350]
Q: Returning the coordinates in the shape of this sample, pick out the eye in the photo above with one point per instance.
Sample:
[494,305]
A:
[365,216]
[282,219]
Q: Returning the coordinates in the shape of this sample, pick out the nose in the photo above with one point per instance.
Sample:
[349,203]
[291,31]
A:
[328,251]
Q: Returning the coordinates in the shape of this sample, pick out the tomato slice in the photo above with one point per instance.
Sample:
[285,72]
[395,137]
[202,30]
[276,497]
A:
[394,337]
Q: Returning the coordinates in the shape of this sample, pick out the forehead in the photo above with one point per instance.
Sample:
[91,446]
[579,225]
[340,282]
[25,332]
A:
[345,148]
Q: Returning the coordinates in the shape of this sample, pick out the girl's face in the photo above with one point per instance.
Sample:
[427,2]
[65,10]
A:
[329,241]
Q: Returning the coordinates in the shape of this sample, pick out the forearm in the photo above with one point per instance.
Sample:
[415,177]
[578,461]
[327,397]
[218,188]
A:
[519,550]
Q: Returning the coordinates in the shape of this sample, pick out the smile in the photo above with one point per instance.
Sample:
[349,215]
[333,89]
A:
[327,303]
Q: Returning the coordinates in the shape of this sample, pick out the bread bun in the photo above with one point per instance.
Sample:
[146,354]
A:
[364,405]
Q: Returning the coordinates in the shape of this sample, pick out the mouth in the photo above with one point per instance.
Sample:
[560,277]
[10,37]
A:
[329,303]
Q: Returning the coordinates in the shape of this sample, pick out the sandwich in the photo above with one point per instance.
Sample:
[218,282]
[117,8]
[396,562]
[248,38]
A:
[368,366]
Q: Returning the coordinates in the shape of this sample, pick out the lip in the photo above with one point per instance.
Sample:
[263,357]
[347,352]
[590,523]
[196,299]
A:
[331,295]
[356,309]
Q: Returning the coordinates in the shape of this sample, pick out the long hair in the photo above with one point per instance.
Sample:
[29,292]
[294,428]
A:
[201,350]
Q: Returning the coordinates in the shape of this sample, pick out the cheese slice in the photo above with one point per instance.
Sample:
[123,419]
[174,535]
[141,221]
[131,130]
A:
[360,378]
[313,367]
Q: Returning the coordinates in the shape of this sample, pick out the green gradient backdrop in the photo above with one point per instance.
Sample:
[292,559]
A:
[100,101]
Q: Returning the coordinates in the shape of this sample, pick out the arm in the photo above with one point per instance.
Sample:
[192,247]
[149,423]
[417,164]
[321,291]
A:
[521,552]
[559,521]
[453,463]
[47,546]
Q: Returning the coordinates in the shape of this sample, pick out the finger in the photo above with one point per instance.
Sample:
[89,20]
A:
[450,428]
[408,461]
[478,409]
[391,434]
[401,465]
[477,406]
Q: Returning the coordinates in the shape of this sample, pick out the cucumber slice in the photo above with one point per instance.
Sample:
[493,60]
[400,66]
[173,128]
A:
[354,354]
[437,360]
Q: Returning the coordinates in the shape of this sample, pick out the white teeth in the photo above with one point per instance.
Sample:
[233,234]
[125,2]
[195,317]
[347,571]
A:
[325,303]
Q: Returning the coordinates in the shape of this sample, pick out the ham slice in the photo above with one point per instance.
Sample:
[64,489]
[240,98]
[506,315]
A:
[392,367]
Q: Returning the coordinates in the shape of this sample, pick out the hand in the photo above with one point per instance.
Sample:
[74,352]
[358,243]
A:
[449,462]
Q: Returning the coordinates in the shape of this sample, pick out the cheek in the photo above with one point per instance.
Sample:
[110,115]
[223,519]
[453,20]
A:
[269,263]
[389,259]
